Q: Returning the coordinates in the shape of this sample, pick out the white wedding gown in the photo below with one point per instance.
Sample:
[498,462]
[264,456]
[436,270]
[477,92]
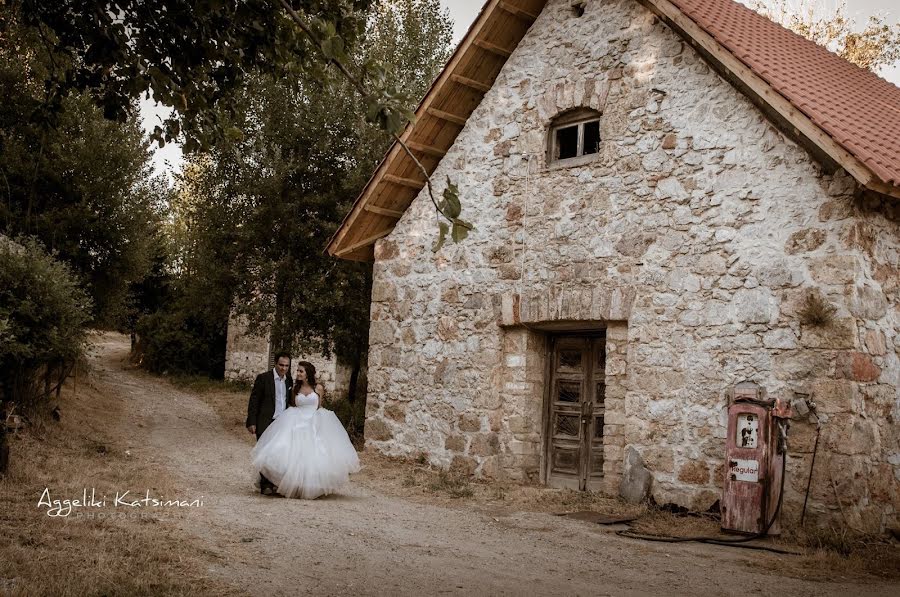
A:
[305,451]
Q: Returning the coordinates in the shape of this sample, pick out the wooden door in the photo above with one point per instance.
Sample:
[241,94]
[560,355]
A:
[575,410]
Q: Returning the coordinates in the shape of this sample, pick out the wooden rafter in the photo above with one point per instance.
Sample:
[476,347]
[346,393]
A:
[427,149]
[471,83]
[517,12]
[366,241]
[405,182]
[454,118]
[383,211]
[884,188]
[493,48]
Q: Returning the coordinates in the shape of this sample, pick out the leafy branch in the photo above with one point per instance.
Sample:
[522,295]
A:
[386,108]
[871,47]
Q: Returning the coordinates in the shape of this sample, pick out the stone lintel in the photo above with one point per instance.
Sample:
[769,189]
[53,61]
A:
[566,307]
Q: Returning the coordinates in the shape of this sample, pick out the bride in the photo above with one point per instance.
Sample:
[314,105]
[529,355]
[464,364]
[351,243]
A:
[305,451]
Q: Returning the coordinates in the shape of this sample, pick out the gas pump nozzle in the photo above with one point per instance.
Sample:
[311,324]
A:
[783,426]
[782,412]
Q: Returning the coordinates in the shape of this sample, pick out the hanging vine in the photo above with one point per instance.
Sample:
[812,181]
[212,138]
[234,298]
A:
[386,108]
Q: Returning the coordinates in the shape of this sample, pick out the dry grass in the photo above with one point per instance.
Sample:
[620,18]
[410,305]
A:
[815,310]
[200,384]
[453,484]
[835,554]
[413,479]
[545,499]
[659,522]
[828,554]
[112,553]
[420,479]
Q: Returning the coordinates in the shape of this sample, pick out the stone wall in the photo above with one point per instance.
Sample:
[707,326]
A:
[247,355]
[694,235]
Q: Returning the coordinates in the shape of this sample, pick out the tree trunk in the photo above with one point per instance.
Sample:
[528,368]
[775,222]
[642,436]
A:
[48,381]
[4,448]
[61,379]
[354,376]
[278,334]
[356,395]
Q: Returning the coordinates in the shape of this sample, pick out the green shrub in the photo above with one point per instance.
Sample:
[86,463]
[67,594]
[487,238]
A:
[351,414]
[816,310]
[43,314]
[174,341]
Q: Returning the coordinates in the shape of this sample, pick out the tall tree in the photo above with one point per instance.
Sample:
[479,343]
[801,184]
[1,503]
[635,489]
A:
[195,56]
[84,186]
[313,151]
[876,45]
[43,312]
[191,55]
[278,192]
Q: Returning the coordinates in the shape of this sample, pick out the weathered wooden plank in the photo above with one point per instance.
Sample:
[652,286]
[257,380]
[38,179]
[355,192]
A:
[383,211]
[427,149]
[471,83]
[493,48]
[517,12]
[454,118]
[366,241]
[406,182]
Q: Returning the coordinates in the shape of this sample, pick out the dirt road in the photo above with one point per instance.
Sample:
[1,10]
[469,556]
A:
[368,542]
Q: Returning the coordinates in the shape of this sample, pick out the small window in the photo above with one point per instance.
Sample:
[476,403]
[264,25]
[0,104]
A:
[591,137]
[567,142]
[574,135]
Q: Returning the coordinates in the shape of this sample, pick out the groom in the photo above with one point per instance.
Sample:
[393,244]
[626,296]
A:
[268,399]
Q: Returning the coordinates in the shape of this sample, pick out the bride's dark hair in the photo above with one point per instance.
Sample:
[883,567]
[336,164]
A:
[310,379]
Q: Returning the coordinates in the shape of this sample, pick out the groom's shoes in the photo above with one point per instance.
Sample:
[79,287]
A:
[266,487]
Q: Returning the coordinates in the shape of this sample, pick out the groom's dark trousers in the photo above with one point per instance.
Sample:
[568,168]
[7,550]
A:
[261,408]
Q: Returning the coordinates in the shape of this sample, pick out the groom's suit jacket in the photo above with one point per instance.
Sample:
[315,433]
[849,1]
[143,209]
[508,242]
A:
[261,408]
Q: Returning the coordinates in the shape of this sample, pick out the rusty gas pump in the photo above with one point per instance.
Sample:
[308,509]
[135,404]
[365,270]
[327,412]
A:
[755,455]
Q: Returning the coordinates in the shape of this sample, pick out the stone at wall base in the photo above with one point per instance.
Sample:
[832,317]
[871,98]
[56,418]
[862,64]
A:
[636,479]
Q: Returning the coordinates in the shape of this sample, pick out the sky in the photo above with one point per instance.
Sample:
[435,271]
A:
[463,12]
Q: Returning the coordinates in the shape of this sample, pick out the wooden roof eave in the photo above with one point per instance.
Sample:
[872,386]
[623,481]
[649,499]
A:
[341,244]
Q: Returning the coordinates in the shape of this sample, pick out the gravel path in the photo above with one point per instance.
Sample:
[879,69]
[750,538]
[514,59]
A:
[368,543]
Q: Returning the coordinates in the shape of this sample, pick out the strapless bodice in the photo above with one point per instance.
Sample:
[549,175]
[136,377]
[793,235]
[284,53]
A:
[307,403]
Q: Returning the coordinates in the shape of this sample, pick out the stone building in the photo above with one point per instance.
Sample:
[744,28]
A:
[248,354]
[663,193]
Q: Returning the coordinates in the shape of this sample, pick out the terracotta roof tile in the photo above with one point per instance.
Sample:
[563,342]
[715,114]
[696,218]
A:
[857,108]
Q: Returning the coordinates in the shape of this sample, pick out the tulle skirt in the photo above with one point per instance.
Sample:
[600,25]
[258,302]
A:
[305,454]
